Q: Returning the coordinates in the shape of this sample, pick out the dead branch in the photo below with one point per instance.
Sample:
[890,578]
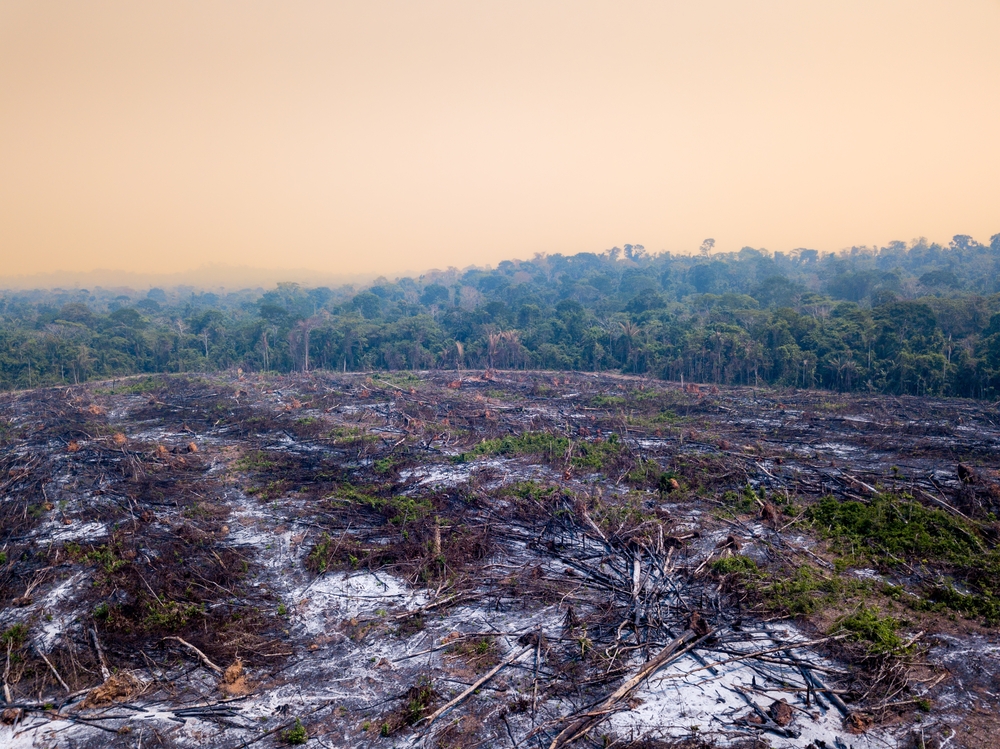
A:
[105,671]
[485,678]
[585,723]
[53,670]
[758,653]
[201,656]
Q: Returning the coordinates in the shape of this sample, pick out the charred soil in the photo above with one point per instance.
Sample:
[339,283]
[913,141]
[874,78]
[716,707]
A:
[461,559]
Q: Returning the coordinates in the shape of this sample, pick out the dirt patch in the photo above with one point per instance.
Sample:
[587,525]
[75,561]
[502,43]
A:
[329,534]
[234,681]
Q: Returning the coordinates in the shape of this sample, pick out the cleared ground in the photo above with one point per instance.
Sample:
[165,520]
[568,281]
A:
[224,561]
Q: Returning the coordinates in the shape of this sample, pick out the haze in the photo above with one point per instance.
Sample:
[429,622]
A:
[376,137]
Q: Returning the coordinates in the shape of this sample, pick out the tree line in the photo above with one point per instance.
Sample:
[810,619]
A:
[918,318]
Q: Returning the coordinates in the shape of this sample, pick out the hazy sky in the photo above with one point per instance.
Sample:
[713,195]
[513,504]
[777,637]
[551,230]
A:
[382,136]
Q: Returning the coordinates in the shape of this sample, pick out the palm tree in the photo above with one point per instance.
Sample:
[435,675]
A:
[305,327]
[492,343]
[629,332]
[512,343]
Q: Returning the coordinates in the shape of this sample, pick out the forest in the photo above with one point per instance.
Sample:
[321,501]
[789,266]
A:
[916,318]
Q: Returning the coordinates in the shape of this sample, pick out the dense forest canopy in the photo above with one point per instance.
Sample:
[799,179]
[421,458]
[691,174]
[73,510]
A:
[920,318]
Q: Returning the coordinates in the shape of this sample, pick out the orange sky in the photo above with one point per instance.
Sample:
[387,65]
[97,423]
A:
[386,136]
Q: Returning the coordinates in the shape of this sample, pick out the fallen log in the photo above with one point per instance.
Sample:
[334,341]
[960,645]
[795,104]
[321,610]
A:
[596,714]
[429,720]
[105,671]
[53,670]
[201,656]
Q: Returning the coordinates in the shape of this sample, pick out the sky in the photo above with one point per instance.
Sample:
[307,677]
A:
[388,137]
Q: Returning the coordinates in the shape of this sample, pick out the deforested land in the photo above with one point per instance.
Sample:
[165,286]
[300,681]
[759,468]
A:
[497,558]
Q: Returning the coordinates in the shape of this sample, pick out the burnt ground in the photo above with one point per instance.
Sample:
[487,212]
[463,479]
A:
[229,560]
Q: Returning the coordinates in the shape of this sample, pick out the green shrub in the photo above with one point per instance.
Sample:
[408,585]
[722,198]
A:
[970,604]
[890,528]
[529,443]
[879,633]
[737,563]
[807,589]
[296,734]
[14,636]
[594,455]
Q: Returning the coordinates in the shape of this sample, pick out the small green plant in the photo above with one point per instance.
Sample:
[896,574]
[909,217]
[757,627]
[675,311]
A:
[735,564]
[296,734]
[973,605]
[645,471]
[879,633]
[269,491]
[197,510]
[318,557]
[607,401]
[74,551]
[479,652]
[14,636]
[529,443]
[531,490]
[807,589]
[134,387]
[107,559]
[741,502]
[350,435]
[384,465]
[890,528]
[255,460]
[169,615]
[418,701]
[282,609]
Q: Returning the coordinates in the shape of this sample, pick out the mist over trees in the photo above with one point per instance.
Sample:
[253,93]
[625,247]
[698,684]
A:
[918,318]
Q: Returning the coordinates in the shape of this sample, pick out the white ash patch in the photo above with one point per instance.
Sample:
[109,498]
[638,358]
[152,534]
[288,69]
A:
[839,449]
[293,445]
[57,532]
[438,474]
[654,443]
[251,525]
[868,574]
[162,436]
[364,407]
[447,475]
[328,600]
[685,699]
[37,732]
[50,631]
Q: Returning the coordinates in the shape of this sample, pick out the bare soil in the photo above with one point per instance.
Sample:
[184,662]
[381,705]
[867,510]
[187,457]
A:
[230,560]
